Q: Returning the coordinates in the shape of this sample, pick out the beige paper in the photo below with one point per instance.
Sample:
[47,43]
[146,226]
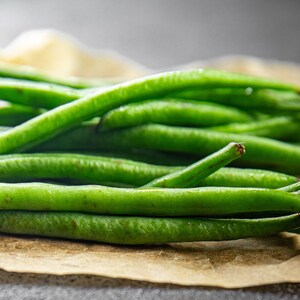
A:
[230,264]
[285,71]
[57,54]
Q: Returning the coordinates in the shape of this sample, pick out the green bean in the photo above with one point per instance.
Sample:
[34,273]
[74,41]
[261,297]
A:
[204,201]
[36,94]
[182,140]
[249,98]
[277,128]
[202,142]
[34,75]
[139,230]
[88,169]
[193,174]
[69,115]
[13,114]
[234,177]
[291,188]
[172,112]
[81,168]
[147,156]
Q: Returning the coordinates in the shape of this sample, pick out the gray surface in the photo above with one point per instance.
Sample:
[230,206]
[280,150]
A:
[157,33]
[161,33]
[94,287]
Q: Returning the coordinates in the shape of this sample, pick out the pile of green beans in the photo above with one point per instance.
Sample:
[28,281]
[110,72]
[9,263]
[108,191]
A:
[145,161]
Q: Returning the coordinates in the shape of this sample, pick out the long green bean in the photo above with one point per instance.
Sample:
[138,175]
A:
[142,155]
[204,201]
[139,230]
[180,140]
[172,112]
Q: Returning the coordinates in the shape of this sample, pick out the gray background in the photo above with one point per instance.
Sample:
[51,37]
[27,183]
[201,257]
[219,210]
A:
[162,33]
[159,34]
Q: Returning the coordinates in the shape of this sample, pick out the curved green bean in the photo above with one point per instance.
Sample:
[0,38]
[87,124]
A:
[141,155]
[193,174]
[277,128]
[69,115]
[271,153]
[172,112]
[249,98]
[139,230]
[204,201]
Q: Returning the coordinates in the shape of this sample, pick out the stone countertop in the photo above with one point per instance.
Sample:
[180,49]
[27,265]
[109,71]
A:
[35,286]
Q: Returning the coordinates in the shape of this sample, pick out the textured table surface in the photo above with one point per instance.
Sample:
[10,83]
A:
[159,34]
[32,286]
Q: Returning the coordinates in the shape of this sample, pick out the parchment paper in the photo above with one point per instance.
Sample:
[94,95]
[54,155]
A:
[229,264]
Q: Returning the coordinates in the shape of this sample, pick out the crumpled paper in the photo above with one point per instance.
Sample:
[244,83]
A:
[229,264]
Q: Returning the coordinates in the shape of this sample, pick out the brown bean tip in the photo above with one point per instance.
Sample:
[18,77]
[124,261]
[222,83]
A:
[240,148]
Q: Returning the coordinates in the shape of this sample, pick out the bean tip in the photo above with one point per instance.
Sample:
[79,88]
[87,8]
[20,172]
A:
[240,148]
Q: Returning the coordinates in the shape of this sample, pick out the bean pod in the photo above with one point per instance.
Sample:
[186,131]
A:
[139,230]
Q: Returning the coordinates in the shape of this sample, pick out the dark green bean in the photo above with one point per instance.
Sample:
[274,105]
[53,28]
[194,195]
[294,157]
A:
[139,230]
[181,140]
[147,156]
[249,98]
[69,115]
[193,174]
[172,112]
[204,201]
